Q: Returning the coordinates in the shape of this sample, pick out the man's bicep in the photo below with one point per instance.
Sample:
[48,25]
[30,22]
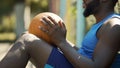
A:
[106,48]
[104,55]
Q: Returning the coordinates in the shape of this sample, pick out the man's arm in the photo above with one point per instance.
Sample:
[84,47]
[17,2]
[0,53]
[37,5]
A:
[105,51]
[74,46]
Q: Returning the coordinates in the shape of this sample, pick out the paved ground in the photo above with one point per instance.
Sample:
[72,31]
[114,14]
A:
[4,47]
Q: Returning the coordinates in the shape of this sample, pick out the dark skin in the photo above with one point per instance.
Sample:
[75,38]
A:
[106,48]
[27,47]
[30,47]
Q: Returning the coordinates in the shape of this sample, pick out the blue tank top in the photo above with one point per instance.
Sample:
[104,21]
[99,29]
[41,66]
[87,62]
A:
[90,40]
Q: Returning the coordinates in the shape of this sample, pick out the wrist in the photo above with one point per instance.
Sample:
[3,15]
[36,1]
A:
[62,43]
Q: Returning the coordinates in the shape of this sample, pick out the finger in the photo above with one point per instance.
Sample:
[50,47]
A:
[47,21]
[45,24]
[43,29]
[63,25]
[43,21]
[53,20]
[60,23]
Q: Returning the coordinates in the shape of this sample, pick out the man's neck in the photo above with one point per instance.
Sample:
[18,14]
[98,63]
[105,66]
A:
[100,16]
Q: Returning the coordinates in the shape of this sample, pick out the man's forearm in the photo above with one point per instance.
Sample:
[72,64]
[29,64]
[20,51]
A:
[77,60]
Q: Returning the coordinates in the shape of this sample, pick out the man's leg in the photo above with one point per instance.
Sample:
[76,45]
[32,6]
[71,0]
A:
[38,49]
[17,57]
[28,46]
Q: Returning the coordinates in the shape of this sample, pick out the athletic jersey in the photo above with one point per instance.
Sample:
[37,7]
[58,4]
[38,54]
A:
[90,40]
[58,60]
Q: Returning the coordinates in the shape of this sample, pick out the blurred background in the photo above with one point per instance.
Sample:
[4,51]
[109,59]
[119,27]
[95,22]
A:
[15,17]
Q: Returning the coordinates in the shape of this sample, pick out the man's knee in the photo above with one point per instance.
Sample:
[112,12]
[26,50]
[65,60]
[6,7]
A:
[29,38]
[30,41]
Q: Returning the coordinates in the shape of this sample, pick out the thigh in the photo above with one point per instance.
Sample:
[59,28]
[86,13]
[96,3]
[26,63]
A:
[17,56]
[38,50]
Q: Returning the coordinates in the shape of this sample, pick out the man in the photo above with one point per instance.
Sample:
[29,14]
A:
[99,48]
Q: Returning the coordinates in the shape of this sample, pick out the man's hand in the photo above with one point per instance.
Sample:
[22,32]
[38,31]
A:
[55,30]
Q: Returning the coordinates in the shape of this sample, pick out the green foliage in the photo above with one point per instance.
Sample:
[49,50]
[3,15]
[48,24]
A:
[6,6]
[117,7]
[39,6]
[7,37]
[70,20]
[7,24]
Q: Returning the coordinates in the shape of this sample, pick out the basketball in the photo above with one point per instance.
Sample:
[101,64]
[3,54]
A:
[35,23]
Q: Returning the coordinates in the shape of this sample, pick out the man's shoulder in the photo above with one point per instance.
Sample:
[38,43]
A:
[113,21]
[111,26]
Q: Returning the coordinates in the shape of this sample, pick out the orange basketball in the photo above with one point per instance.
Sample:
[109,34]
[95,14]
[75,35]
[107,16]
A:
[35,23]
